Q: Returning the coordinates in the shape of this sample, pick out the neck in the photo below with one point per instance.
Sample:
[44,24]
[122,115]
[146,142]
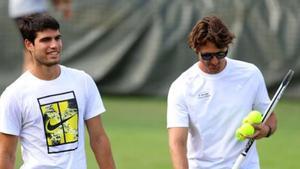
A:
[46,72]
[211,68]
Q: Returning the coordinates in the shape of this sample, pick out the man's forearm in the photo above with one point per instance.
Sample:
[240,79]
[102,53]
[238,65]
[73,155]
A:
[8,145]
[178,148]
[178,155]
[272,122]
[6,162]
[103,153]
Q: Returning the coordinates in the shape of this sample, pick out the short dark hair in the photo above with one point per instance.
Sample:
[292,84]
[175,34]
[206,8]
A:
[31,24]
[211,29]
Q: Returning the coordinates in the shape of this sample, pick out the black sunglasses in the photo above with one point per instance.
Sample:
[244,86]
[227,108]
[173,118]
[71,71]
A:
[209,56]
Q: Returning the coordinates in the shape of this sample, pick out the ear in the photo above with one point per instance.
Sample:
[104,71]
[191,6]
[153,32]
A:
[28,45]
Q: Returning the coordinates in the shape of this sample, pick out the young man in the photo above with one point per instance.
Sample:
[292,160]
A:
[206,103]
[47,107]
[18,9]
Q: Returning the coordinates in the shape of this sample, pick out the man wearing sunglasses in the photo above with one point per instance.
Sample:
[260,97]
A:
[207,103]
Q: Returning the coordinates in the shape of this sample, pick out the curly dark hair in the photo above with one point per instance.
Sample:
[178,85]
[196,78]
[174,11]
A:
[211,29]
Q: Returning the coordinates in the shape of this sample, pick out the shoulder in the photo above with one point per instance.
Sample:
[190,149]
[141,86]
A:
[76,73]
[242,67]
[16,88]
[22,82]
[242,64]
[78,76]
[186,78]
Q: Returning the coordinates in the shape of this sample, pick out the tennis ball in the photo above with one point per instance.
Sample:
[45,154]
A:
[254,117]
[245,130]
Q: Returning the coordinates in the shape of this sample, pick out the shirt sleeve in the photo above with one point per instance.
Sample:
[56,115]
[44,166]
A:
[262,99]
[177,112]
[10,114]
[94,104]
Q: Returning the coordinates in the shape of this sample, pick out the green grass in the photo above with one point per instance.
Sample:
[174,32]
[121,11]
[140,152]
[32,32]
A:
[136,127]
[282,149]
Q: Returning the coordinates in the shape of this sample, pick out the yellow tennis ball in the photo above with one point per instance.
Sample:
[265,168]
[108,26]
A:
[245,130]
[239,136]
[254,117]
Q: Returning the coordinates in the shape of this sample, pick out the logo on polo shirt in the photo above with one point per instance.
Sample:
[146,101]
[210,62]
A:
[204,94]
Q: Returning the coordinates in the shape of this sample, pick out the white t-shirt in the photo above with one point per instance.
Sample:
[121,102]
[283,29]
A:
[212,107]
[49,116]
[18,8]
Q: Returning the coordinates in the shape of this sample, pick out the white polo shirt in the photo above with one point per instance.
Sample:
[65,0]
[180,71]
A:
[212,106]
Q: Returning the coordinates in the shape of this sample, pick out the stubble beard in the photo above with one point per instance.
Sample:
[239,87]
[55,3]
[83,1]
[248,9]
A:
[50,63]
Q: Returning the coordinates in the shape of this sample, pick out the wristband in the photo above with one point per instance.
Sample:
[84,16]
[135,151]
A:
[270,130]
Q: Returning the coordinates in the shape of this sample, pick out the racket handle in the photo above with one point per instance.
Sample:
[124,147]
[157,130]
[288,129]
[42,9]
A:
[239,161]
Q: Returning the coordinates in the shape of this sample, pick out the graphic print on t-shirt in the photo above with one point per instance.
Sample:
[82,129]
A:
[60,117]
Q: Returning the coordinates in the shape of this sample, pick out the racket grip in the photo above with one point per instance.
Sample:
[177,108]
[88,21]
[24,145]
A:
[239,161]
